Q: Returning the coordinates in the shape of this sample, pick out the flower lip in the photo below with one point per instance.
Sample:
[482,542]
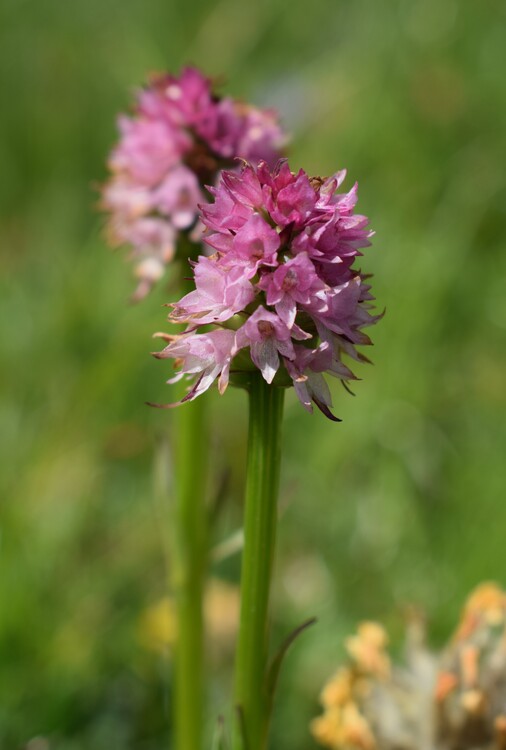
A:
[265,328]
[290,281]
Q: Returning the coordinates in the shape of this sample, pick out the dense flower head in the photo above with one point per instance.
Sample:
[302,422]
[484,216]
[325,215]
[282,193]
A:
[279,293]
[177,139]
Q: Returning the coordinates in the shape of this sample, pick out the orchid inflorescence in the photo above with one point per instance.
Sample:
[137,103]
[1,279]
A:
[278,301]
[280,285]
[178,138]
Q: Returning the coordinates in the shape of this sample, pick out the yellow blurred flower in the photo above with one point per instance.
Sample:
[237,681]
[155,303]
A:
[157,629]
[453,699]
[487,603]
[367,649]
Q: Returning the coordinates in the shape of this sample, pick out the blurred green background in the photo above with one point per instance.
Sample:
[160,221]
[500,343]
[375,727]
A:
[401,504]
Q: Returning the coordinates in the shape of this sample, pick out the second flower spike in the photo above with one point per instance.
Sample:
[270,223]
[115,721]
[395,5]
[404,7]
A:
[180,135]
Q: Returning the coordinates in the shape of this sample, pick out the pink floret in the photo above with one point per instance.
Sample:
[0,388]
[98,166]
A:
[204,357]
[220,294]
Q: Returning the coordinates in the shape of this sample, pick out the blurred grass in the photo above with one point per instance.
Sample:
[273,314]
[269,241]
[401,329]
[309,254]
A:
[403,503]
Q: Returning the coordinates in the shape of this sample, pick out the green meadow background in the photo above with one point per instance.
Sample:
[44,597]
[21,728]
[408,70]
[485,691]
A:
[401,505]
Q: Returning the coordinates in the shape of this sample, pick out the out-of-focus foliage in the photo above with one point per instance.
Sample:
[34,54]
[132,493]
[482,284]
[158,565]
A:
[402,503]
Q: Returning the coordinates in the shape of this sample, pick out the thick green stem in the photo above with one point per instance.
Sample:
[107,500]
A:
[190,538]
[260,518]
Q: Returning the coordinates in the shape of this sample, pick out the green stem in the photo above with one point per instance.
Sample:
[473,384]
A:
[190,553]
[190,536]
[264,457]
